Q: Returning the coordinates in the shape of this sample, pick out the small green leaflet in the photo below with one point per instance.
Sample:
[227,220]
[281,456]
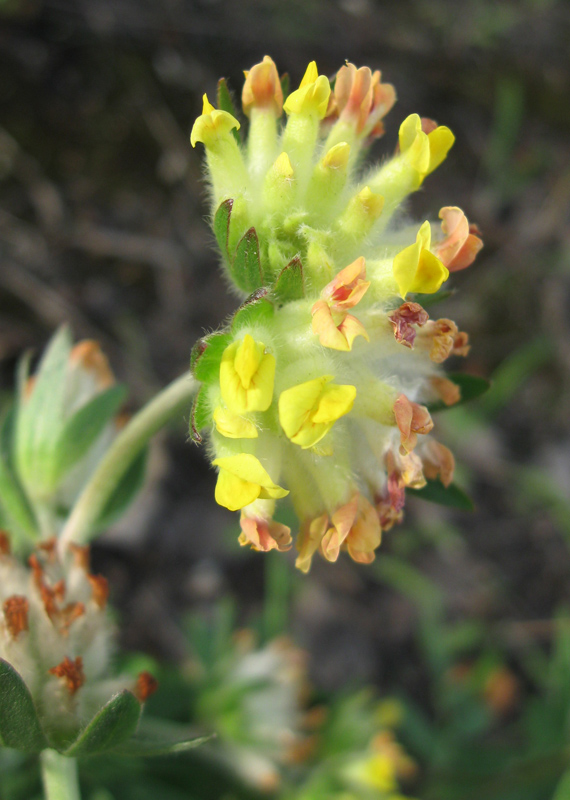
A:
[160,738]
[256,310]
[246,267]
[226,103]
[206,356]
[115,722]
[82,430]
[222,226]
[200,416]
[290,284]
[452,495]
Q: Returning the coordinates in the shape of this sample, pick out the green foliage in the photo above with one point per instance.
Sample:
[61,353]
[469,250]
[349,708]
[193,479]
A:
[246,266]
[256,310]
[124,492]
[200,415]
[226,103]
[452,495]
[19,723]
[82,430]
[290,283]
[40,418]
[111,726]
[206,356]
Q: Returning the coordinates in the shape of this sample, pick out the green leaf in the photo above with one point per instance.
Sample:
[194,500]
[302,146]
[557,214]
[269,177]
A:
[285,85]
[256,310]
[40,416]
[470,386]
[206,356]
[19,724]
[115,722]
[160,738]
[222,226]
[290,283]
[82,429]
[226,103]
[19,517]
[427,300]
[246,268]
[125,492]
[200,416]
[452,495]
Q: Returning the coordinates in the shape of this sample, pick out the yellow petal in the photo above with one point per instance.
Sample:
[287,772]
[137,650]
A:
[312,96]
[296,404]
[242,480]
[233,492]
[247,359]
[308,411]
[310,76]
[334,403]
[430,274]
[440,143]
[416,269]
[233,426]
[212,125]
[247,375]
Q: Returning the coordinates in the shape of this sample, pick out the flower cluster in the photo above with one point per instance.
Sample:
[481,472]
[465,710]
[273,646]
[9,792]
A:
[64,418]
[56,634]
[317,388]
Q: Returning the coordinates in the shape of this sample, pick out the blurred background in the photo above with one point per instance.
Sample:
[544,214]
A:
[103,224]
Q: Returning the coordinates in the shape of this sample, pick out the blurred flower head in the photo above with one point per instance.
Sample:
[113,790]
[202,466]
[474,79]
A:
[56,634]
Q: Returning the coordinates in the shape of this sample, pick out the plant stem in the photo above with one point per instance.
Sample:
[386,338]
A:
[59,776]
[170,401]
[277,592]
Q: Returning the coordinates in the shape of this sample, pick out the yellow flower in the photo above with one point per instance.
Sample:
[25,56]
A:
[424,150]
[416,269]
[247,374]
[308,411]
[212,125]
[312,96]
[242,480]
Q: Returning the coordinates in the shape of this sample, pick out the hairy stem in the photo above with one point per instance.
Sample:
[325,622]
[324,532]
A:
[170,401]
[59,776]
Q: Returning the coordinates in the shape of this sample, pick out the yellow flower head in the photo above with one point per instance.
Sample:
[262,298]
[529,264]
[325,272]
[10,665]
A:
[324,372]
[312,96]
[212,125]
[308,411]
[416,269]
[242,479]
[247,374]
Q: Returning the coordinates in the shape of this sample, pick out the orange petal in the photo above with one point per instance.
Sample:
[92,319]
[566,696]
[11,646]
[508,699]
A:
[348,287]
[438,460]
[411,419]
[309,539]
[264,535]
